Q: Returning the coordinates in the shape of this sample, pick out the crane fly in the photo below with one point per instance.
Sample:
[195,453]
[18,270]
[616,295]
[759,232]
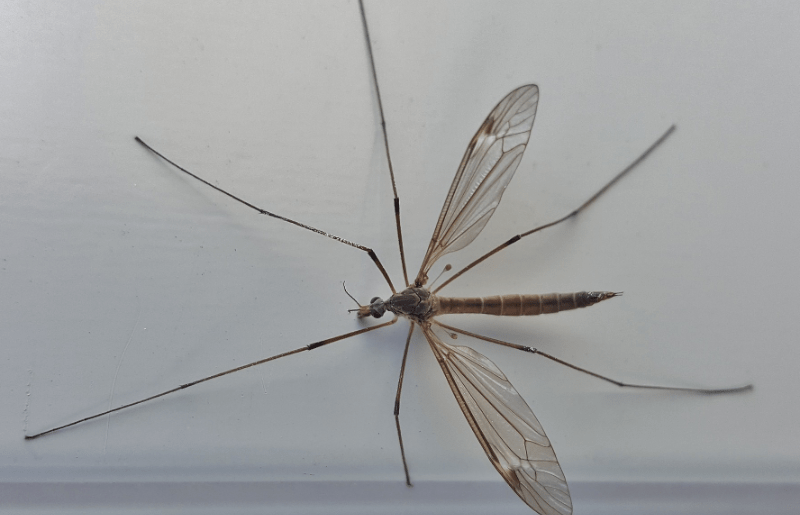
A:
[506,428]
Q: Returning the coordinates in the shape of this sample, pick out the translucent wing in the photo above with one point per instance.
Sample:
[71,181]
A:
[505,426]
[486,169]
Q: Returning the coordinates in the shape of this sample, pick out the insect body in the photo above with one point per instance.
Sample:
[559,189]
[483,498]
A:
[420,305]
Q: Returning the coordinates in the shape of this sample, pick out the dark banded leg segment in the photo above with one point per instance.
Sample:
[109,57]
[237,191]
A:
[184,386]
[709,391]
[397,403]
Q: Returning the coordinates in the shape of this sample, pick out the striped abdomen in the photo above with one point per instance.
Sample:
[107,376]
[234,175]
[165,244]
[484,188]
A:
[521,305]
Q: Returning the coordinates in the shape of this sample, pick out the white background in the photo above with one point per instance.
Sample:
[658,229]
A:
[121,277]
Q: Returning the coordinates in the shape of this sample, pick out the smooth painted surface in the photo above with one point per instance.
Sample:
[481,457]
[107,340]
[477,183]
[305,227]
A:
[121,278]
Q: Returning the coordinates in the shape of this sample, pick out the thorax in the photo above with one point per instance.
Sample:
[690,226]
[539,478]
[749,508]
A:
[417,304]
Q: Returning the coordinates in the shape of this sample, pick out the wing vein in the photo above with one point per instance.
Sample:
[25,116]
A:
[486,169]
[505,426]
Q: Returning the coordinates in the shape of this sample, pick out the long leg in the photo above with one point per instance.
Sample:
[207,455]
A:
[368,250]
[525,348]
[583,206]
[397,403]
[385,139]
[310,346]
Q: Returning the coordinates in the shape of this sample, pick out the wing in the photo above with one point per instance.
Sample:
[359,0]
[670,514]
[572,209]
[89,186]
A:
[486,169]
[505,426]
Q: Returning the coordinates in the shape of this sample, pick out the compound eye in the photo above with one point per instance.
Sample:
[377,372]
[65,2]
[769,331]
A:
[373,299]
[377,308]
